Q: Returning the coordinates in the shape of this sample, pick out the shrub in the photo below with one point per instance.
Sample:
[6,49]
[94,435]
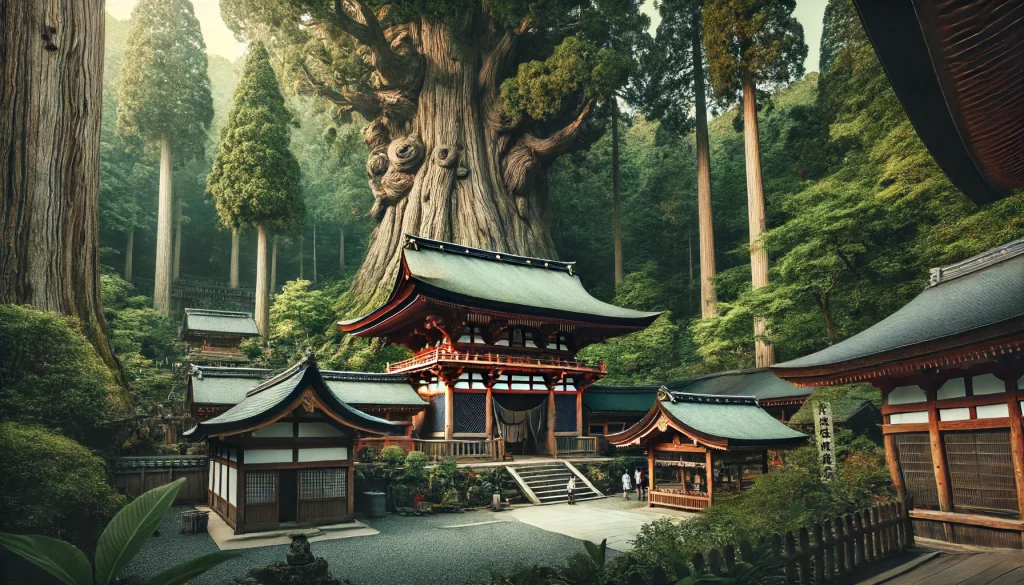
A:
[391,455]
[53,486]
[51,375]
[415,473]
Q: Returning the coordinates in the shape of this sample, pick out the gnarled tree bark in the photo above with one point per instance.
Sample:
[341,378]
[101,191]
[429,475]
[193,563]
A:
[51,75]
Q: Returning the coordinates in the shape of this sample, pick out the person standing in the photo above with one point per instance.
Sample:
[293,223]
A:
[626,485]
[570,489]
[639,475]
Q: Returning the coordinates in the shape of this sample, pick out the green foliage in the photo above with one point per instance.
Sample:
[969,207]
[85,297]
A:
[122,539]
[163,90]
[299,314]
[255,180]
[645,357]
[67,497]
[392,455]
[415,473]
[575,69]
[51,375]
[763,39]
[842,398]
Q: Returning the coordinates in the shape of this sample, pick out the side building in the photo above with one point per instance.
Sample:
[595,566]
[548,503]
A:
[494,338]
[215,337]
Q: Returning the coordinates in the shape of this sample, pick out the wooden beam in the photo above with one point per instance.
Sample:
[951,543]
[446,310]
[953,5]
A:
[650,473]
[1016,434]
[552,442]
[489,410]
[894,467]
[943,485]
[709,475]
[969,519]
[449,410]
[579,414]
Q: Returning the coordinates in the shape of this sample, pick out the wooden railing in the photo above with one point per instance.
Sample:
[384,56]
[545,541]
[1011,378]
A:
[378,443]
[455,449]
[447,354]
[681,501]
[827,552]
[576,445]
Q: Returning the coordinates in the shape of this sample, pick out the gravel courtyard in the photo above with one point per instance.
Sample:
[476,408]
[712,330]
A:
[408,551]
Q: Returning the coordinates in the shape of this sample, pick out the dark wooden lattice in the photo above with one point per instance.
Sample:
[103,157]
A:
[915,456]
[565,414]
[981,472]
[434,421]
[469,412]
[323,483]
[260,487]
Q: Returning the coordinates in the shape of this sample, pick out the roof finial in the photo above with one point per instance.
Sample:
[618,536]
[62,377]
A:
[309,358]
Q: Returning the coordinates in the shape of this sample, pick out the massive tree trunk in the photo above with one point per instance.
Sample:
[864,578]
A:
[764,353]
[234,259]
[273,266]
[162,280]
[51,76]
[616,194]
[129,251]
[708,294]
[262,286]
[177,242]
[445,163]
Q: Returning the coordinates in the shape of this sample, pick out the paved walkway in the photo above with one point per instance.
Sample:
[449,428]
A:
[608,518]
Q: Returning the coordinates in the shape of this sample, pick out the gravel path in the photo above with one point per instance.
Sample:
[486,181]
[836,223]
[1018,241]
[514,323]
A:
[407,551]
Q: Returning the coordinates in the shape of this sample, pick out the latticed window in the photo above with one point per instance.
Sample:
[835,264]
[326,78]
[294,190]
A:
[561,342]
[516,337]
[472,334]
[323,484]
[260,487]
[469,381]
[914,453]
[520,382]
[981,472]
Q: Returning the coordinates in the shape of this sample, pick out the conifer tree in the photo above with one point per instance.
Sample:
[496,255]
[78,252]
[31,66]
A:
[750,42]
[163,97]
[255,180]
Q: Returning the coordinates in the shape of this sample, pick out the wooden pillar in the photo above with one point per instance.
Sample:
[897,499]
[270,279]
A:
[1016,434]
[552,442]
[449,410]
[942,483]
[894,467]
[489,409]
[579,414]
[351,478]
[240,498]
[709,474]
[650,472]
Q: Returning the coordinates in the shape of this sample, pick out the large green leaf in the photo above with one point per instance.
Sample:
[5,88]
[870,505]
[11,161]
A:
[182,573]
[596,552]
[58,558]
[130,529]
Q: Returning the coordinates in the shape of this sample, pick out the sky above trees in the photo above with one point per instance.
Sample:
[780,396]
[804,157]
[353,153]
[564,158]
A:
[220,40]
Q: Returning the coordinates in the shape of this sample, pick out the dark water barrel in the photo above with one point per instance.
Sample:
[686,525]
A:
[376,504]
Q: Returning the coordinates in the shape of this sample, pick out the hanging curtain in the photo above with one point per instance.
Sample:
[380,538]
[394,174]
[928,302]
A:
[515,426]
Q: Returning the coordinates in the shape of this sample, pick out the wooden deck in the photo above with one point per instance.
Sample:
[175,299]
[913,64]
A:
[957,568]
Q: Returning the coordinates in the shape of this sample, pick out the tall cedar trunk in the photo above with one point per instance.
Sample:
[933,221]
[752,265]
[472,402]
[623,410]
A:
[616,194]
[273,266]
[764,353]
[314,251]
[234,259]
[689,257]
[177,242]
[51,76]
[341,251]
[262,286]
[129,251]
[302,255]
[708,294]
[449,170]
[162,280]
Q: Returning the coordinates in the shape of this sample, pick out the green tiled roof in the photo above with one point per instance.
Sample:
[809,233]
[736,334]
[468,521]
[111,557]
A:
[738,419]
[638,399]
[543,285]
[226,386]
[273,396]
[984,290]
[760,383]
[210,321]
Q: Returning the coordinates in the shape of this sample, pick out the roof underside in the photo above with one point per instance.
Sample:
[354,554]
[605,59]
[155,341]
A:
[760,383]
[637,399]
[273,397]
[958,68]
[517,284]
[973,300]
[228,386]
[226,322]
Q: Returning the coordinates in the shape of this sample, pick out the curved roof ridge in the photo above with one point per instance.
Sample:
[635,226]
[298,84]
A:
[275,380]
[218,312]
[975,263]
[417,242]
[718,375]
[346,376]
[710,398]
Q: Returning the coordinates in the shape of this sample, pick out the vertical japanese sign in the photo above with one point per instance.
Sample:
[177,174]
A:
[824,435]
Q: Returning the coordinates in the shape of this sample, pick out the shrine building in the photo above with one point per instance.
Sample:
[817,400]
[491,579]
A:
[950,369]
[215,337]
[494,338]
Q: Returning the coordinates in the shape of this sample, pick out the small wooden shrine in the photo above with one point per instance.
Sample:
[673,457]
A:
[950,369]
[283,455]
[214,337]
[494,337]
[777,397]
[699,446]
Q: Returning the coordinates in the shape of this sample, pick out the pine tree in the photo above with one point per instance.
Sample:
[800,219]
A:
[163,96]
[255,180]
[750,42]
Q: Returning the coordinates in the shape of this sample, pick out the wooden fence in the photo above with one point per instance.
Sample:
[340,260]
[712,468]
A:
[134,476]
[436,450]
[568,445]
[827,553]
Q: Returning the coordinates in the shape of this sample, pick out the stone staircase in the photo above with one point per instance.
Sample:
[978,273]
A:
[544,483]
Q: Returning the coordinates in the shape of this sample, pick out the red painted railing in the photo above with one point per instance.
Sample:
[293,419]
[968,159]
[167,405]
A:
[481,358]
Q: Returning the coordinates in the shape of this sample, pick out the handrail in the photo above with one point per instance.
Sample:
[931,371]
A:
[448,354]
